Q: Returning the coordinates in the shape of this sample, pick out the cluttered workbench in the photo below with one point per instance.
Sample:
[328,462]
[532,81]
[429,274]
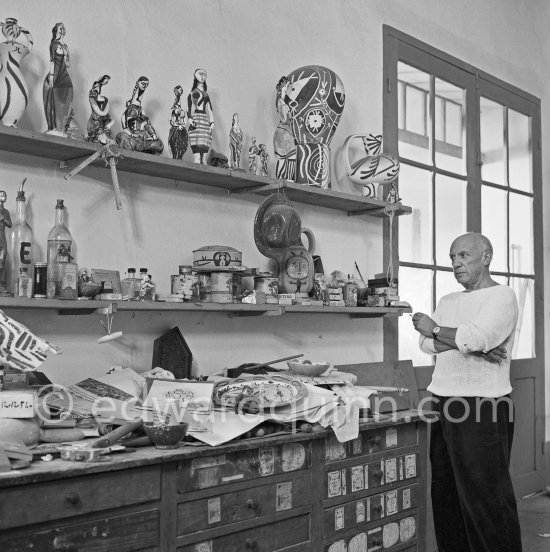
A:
[288,491]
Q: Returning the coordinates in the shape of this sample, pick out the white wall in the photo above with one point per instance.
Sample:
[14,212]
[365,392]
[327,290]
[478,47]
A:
[246,46]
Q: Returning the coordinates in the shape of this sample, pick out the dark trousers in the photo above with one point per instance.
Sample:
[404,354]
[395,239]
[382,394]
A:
[473,501]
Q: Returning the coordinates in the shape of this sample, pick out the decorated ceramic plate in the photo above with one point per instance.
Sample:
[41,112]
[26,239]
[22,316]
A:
[268,390]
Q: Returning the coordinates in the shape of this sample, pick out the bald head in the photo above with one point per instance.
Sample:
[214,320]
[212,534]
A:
[479,241]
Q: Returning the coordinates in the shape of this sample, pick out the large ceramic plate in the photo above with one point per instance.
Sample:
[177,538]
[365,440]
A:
[268,390]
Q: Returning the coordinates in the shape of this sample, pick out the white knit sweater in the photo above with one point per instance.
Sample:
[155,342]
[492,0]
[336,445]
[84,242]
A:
[484,319]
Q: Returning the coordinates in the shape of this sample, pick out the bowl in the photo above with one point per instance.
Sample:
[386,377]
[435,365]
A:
[165,436]
[310,368]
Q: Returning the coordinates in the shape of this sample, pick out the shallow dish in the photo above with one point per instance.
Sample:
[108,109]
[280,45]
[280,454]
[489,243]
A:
[312,369]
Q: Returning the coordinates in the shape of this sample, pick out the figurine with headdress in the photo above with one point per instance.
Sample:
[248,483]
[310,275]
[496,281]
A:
[201,117]
[235,142]
[138,133]
[177,137]
[99,122]
[14,93]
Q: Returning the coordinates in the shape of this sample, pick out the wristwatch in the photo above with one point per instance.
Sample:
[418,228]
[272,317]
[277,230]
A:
[435,332]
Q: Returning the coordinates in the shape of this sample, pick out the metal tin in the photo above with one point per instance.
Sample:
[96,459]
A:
[205,287]
[217,256]
[182,285]
[222,287]
[267,284]
[40,280]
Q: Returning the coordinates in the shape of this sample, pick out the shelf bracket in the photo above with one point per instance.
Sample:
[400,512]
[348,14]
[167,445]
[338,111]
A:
[238,314]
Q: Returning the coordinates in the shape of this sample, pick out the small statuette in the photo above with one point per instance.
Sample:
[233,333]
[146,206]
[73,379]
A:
[264,160]
[253,152]
[283,139]
[100,122]
[235,142]
[13,88]
[5,221]
[58,89]
[201,117]
[177,137]
[137,132]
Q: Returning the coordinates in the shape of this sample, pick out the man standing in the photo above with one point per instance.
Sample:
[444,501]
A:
[472,334]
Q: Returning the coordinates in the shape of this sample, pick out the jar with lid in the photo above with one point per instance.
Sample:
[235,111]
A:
[40,280]
[146,287]
[130,286]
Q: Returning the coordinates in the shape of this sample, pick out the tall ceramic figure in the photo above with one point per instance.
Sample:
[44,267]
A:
[137,131]
[316,99]
[201,117]
[283,139]
[5,222]
[14,93]
[99,122]
[58,88]
[235,142]
[177,136]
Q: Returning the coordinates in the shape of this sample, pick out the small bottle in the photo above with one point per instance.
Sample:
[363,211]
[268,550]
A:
[40,278]
[24,283]
[147,287]
[130,286]
[350,293]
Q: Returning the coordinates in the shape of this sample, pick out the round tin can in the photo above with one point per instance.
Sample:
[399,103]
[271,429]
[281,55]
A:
[205,287]
[39,280]
[267,284]
[222,287]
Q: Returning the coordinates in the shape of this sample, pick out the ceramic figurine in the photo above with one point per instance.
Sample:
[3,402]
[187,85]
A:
[264,160]
[253,152]
[137,132]
[201,117]
[58,88]
[316,99]
[99,122]
[13,88]
[373,168]
[283,139]
[5,221]
[235,142]
[177,137]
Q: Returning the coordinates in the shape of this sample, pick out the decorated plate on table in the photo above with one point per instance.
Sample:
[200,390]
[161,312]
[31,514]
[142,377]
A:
[267,390]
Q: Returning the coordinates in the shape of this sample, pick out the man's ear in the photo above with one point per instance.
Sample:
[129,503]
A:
[487,258]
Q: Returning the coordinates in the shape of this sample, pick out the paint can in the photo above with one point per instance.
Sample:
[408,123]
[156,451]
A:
[267,284]
[222,287]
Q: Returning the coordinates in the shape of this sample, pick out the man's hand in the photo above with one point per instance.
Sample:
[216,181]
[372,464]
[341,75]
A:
[498,354]
[423,324]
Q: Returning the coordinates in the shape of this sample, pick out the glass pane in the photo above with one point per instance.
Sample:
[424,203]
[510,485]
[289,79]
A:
[503,280]
[415,230]
[415,286]
[445,283]
[450,215]
[413,113]
[524,344]
[492,141]
[449,109]
[494,217]
[520,175]
[521,234]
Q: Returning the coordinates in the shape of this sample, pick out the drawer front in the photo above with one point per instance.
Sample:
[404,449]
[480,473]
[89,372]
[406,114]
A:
[362,477]
[125,533]
[373,440]
[263,538]
[256,502]
[393,536]
[212,471]
[28,504]
[371,508]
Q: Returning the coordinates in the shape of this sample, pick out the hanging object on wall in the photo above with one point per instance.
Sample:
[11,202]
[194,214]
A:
[235,143]
[108,327]
[58,89]
[100,122]
[284,145]
[137,132]
[277,233]
[14,93]
[171,352]
[201,117]
[373,168]
[177,137]
[316,99]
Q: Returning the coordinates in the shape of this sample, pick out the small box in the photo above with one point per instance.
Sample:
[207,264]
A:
[337,304]
[17,404]
[284,301]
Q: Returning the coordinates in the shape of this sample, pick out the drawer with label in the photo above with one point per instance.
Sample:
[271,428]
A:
[262,538]
[252,503]
[131,532]
[371,508]
[362,477]
[212,471]
[373,440]
[391,535]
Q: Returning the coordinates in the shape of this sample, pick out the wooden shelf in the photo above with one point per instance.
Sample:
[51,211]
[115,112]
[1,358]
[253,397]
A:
[232,309]
[64,149]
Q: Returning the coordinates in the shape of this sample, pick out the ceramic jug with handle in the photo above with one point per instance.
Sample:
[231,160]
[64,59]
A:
[296,265]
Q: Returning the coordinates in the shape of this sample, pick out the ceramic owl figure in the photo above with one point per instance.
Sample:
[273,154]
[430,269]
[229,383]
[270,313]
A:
[316,100]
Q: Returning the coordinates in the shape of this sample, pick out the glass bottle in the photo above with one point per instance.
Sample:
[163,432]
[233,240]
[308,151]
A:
[21,242]
[24,283]
[146,286]
[62,271]
[130,286]
[350,293]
